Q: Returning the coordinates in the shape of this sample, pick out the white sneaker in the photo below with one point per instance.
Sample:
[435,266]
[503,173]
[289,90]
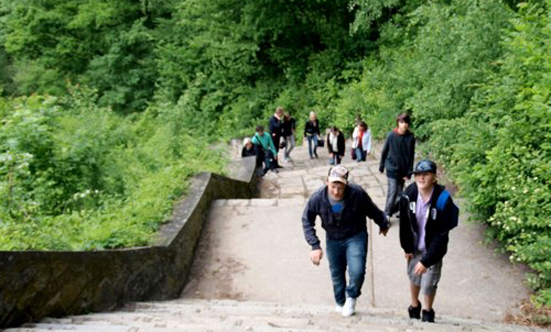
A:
[338,308]
[349,307]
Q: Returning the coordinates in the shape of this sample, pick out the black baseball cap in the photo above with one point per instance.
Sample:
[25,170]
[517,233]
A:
[425,166]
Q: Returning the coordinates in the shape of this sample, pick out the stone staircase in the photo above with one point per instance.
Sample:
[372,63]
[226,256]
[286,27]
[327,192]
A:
[231,315]
[252,273]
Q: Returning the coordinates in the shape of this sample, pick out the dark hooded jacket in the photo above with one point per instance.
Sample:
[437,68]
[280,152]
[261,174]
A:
[438,225]
[353,221]
[398,155]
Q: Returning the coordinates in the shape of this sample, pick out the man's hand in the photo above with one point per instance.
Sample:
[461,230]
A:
[383,231]
[316,256]
[419,268]
[409,257]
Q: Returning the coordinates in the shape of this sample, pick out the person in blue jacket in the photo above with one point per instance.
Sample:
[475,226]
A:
[343,208]
[427,214]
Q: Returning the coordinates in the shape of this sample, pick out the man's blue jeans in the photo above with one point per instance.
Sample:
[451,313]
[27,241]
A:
[349,253]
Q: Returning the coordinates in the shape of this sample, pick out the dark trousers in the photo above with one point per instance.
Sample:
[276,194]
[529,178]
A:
[394,192]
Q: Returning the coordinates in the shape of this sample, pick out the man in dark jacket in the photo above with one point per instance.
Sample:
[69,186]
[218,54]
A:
[397,157]
[343,208]
[427,214]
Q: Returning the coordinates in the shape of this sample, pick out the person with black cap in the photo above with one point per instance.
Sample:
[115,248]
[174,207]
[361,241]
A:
[343,208]
[427,214]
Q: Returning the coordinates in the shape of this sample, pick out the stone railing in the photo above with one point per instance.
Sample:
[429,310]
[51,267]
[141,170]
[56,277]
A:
[36,284]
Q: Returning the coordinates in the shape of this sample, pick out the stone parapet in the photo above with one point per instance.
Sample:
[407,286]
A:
[36,284]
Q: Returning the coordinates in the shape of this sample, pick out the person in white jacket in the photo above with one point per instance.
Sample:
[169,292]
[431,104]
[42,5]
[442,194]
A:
[361,141]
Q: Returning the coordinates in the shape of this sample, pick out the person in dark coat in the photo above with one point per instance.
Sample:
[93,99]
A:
[343,209]
[427,214]
[397,158]
[335,146]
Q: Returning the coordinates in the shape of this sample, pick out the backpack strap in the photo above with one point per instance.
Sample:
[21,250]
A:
[441,202]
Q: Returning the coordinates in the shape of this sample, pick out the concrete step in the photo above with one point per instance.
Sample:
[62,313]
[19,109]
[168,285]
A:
[228,315]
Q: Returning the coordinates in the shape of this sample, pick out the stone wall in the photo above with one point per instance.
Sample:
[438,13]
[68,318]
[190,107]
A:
[36,284]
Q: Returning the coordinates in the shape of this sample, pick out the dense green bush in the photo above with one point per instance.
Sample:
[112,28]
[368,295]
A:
[85,178]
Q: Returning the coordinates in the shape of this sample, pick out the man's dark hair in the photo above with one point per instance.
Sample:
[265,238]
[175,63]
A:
[363,125]
[404,117]
[334,129]
[259,128]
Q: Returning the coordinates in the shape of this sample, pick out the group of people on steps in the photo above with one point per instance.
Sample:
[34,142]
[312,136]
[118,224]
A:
[266,145]
[425,211]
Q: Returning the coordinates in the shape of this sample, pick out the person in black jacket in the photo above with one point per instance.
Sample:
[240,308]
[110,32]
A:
[343,208]
[397,157]
[312,133]
[427,214]
[275,125]
[335,146]
[289,128]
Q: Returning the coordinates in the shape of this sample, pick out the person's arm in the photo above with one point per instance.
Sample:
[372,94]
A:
[368,139]
[374,213]
[411,158]
[272,125]
[384,153]
[306,128]
[271,146]
[329,147]
[406,233]
[243,152]
[318,127]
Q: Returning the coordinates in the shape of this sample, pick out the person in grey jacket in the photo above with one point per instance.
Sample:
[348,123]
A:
[397,157]
[343,208]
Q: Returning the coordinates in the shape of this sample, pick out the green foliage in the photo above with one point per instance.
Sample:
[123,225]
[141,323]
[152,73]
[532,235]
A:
[84,178]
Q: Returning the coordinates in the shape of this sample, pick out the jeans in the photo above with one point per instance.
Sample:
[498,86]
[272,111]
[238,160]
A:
[335,160]
[351,253]
[360,154]
[312,150]
[394,192]
[289,145]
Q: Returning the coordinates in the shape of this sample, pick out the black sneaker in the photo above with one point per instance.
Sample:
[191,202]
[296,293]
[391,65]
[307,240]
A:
[415,312]
[428,316]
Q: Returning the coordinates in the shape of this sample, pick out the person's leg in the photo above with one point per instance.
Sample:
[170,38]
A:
[356,253]
[310,151]
[429,285]
[414,310]
[391,195]
[337,159]
[290,145]
[399,189]
[315,136]
[364,155]
[359,155]
[414,292]
[336,256]
[332,161]
[429,300]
